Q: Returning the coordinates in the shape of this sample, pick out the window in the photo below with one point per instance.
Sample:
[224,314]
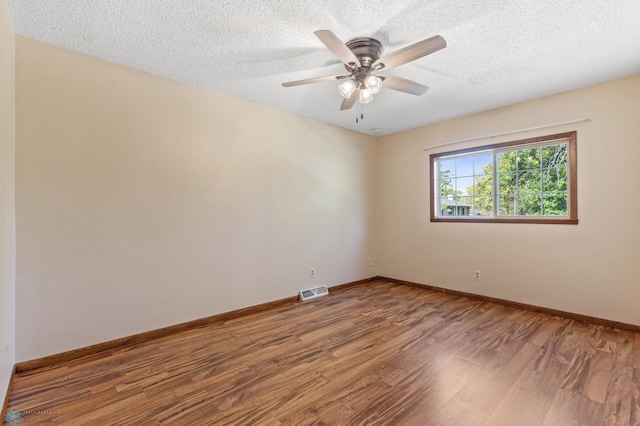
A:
[526,181]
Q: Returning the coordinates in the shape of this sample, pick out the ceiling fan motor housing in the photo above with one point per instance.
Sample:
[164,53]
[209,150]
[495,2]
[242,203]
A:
[366,49]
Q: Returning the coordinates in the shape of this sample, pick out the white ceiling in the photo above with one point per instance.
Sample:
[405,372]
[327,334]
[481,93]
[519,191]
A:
[499,52]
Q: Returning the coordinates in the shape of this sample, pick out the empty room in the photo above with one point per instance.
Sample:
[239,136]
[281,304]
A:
[320,213]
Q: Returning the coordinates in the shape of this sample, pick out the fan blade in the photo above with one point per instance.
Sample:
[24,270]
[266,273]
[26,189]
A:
[348,102]
[316,80]
[335,45]
[411,52]
[403,85]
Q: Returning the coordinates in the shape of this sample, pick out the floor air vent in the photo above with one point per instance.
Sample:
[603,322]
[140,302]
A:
[312,293]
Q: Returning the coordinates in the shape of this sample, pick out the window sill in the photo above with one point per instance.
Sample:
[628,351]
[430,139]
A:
[540,221]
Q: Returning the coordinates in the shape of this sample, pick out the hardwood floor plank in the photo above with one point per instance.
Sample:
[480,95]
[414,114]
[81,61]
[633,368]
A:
[617,406]
[635,398]
[377,353]
[418,400]
[597,381]
[496,381]
[570,408]
[635,356]
[121,408]
[577,371]
[529,395]
[549,326]
[458,412]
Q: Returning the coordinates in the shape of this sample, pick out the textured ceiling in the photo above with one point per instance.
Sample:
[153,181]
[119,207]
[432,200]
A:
[499,52]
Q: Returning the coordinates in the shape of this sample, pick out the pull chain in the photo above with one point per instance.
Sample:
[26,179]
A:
[361,113]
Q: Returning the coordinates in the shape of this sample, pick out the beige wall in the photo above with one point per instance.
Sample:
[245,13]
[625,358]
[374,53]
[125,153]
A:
[143,202]
[7,197]
[591,268]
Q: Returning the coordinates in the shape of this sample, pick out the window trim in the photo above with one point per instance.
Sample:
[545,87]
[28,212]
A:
[572,188]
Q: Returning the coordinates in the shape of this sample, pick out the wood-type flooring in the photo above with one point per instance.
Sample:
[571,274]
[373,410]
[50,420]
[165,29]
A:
[372,354]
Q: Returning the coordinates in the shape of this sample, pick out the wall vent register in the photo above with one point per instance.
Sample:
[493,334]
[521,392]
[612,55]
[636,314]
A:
[312,293]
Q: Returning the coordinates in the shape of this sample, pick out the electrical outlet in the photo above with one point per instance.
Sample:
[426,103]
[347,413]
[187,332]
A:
[476,275]
[375,261]
[312,273]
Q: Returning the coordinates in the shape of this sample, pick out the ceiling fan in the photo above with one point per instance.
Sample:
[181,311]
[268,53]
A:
[361,58]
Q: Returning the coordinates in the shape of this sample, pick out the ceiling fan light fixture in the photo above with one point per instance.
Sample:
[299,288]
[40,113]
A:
[365,96]
[347,88]
[373,84]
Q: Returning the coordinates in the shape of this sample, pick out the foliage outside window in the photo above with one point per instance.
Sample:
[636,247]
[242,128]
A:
[526,181]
